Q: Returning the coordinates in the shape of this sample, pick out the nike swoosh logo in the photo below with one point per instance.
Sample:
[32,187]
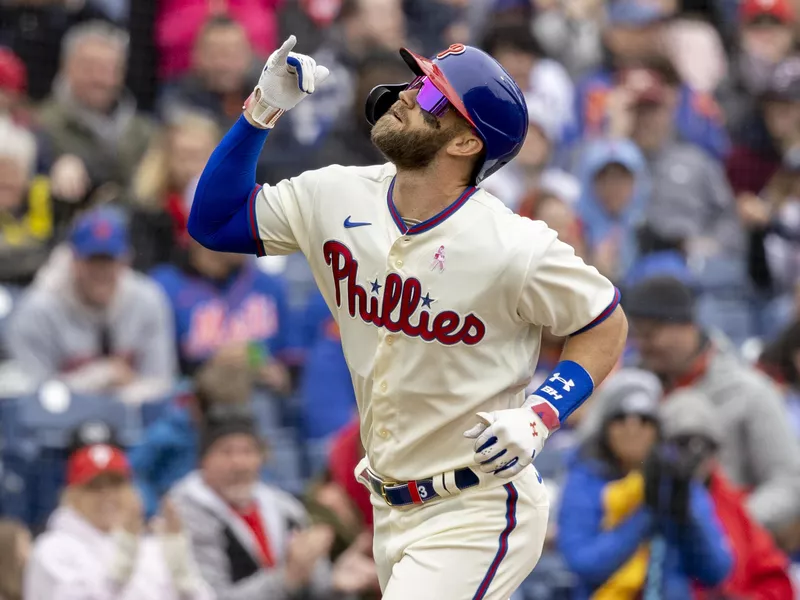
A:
[349,224]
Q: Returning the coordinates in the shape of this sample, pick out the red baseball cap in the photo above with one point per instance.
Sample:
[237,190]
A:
[87,463]
[13,74]
[780,10]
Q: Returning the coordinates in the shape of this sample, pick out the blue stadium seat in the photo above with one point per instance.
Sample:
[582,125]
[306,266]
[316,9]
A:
[36,434]
[317,455]
[284,461]
[268,411]
[153,410]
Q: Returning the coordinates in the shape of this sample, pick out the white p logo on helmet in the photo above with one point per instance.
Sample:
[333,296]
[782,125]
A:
[452,50]
[100,455]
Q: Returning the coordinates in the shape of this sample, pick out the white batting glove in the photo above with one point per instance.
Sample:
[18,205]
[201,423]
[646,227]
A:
[507,441]
[287,78]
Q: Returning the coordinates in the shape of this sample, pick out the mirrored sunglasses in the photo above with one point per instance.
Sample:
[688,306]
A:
[429,98]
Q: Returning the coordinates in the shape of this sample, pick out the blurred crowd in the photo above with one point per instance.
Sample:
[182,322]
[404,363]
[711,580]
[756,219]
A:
[180,423]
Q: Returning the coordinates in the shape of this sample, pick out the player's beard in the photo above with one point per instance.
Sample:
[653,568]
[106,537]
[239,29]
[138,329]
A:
[409,150]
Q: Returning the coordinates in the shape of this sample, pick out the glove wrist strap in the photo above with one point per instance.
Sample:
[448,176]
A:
[261,113]
[545,411]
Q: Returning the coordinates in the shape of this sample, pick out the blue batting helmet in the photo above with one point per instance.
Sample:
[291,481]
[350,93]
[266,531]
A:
[479,89]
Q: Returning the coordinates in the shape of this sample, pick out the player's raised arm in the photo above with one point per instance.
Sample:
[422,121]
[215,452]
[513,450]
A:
[220,218]
[561,292]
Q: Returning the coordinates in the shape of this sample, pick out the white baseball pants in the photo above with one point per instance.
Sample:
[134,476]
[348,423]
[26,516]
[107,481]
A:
[478,545]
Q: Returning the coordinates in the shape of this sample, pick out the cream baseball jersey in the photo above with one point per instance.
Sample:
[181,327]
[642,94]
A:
[438,321]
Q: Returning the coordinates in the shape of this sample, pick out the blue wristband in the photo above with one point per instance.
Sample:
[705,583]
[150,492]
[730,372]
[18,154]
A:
[567,387]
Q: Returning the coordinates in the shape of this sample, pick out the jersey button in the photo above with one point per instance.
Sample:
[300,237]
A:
[384,386]
[383,433]
[389,340]
[399,263]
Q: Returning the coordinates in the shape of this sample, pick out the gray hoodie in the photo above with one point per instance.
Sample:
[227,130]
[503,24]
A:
[53,335]
[212,525]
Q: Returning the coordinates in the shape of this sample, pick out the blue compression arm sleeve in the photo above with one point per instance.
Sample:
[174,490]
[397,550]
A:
[219,218]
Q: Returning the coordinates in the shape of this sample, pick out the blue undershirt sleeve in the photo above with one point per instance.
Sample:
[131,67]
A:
[219,218]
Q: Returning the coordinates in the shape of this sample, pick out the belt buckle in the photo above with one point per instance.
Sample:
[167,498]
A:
[383,490]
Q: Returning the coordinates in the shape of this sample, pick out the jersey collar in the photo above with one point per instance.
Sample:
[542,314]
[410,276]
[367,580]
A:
[434,220]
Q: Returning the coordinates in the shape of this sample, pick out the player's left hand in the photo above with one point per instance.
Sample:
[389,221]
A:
[287,78]
[507,441]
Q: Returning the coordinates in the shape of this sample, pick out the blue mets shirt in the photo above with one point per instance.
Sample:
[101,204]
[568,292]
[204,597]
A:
[247,307]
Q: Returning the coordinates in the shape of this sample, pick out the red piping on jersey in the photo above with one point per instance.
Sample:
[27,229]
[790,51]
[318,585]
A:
[603,315]
[251,213]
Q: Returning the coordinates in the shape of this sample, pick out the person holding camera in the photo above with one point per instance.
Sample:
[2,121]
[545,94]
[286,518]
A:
[621,528]
[693,437]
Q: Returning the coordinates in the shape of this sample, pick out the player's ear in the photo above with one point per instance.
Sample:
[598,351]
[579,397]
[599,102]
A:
[465,144]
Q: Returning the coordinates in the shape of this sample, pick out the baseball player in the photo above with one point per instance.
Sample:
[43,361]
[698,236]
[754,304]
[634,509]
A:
[440,294]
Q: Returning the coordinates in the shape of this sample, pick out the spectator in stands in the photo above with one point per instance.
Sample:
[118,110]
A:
[611,530]
[95,545]
[13,84]
[168,450]
[615,190]
[223,73]
[252,540]
[544,81]
[571,33]
[765,38]
[345,453]
[781,361]
[328,400]
[690,197]
[363,27]
[329,505]
[533,167]
[15,104]
[15,544]
[635,34]
[759,169]
[557,210]
[659,255]
[349,140]
[221,299]
[34,30]
[330,501]
[773,221]
[770,130]
[764,457]
[26,207]
[161,190]
[93,322]
[90,117]
[695,46]
[179,22]
[692,428]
